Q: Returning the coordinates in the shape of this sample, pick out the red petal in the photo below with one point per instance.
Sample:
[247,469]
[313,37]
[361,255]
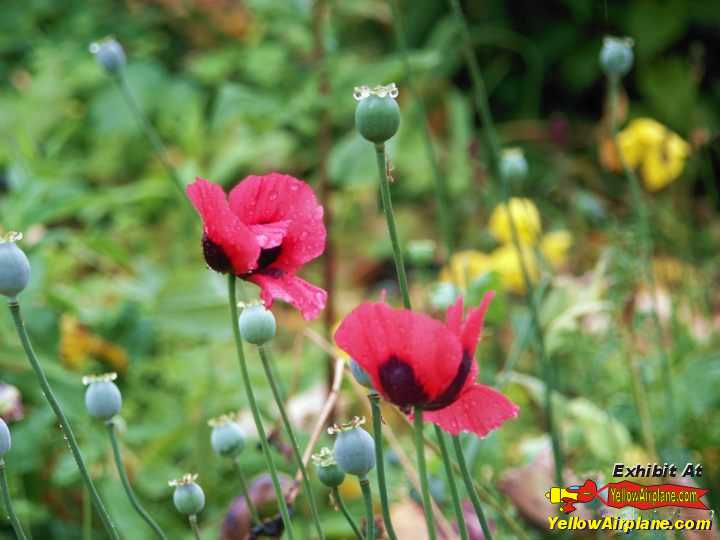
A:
[473,326]
[222,226]
[454,317]
[270,235]
[306,297]
[480,409]
[374,332]
[278,197]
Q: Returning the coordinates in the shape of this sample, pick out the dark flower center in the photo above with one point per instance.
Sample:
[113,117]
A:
[451,393]
[399,382]
[268,256]
[215,256]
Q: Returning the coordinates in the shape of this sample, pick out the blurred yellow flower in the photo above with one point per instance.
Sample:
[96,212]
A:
[555,246]
[506,263]
[526,217]
[658,152]
[78,345]
[464,267]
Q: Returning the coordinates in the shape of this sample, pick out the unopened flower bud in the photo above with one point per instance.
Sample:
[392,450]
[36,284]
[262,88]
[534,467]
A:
[360,375]
[227,438]
[354,448]
[327,468]
[513,164]
[102,397]
[5,438]
[257,324]
[616,56]
[188,497]
[14,266]
[109,54]
[377,115]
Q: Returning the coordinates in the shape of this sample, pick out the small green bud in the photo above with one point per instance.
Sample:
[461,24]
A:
[257,324]
[102,397]
[360,374]
[5,438]
[354,448]
[109,54]
[327,469]
[513,164]
[14,266]
[616,55]
[188,497]
[377,115]
[227,438]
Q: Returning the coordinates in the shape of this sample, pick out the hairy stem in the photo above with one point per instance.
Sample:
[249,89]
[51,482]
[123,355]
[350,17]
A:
[369,514]
[454,495]
[14,521]
[346,513]
[470,488]
[380,464]
[422,473]
[246,492]
[194,526]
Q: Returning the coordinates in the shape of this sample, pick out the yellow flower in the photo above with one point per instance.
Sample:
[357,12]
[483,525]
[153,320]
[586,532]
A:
[506,263]
[78,345]
[555,246]
[526,217]
[659,152]
[464,267]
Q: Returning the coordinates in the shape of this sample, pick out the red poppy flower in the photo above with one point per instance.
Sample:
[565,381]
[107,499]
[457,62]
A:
[415,360]
[267,229]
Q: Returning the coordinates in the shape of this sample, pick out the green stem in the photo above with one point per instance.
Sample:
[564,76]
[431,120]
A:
[150,133]
[126,483]
[493,146]
[454,495]
[87,516]
[17,527]
[390,218]
[62,419]
[422,472]
[346,513]
[646,250]
[266,362]
[194,526]
[470,488]
[369,514]
[380,464]
[282,503]
[246,492]
[441,192]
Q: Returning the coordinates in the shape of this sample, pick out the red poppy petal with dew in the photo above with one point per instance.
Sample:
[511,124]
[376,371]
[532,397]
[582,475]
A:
[222,226]
[479,410]
[277,197]
[270,235]
[373,333]
[306,297]
[473,325]
[454,317]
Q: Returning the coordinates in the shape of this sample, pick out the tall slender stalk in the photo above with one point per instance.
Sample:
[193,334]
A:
[369,514]
[194,526]
[62,419]
[265,357]
[646,249]
[470,488]
[441,193]
[245,492]
[454,495]
[493,146]
[14,521]
[282,503]
[126,483]
[422,473]
[374,398]
[341,504]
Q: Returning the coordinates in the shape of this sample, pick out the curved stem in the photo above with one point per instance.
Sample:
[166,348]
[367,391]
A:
[126,483]
[282,503]
[17,527]
[194,526]
[380,464]
[369,514]
[62,419]
[470,488]
[346,513]
[454,495]
[422,473]
[265,357]
[390,218]
[246,492]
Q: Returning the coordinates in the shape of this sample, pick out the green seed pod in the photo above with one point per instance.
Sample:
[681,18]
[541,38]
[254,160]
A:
[257,324]
[102,397]
[377,115]
[354,448]
[360,375]
[5,438]
[513,164]
[109,54]
[227,439]
[616,56]
[327,469]
[14,267]
[188,497]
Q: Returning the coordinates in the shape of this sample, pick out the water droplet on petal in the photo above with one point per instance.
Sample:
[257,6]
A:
[273,195]
[262,239]
[319,212]
[294,187]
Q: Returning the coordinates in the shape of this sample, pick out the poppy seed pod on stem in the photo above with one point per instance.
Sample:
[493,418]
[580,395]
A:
[513,164]
[257,324]
[227,438]
[327,468]
[14,266]
[103,399]
[377,115]
[360,375]
[616,56]
[188,497]
[109,54]
[354,448]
